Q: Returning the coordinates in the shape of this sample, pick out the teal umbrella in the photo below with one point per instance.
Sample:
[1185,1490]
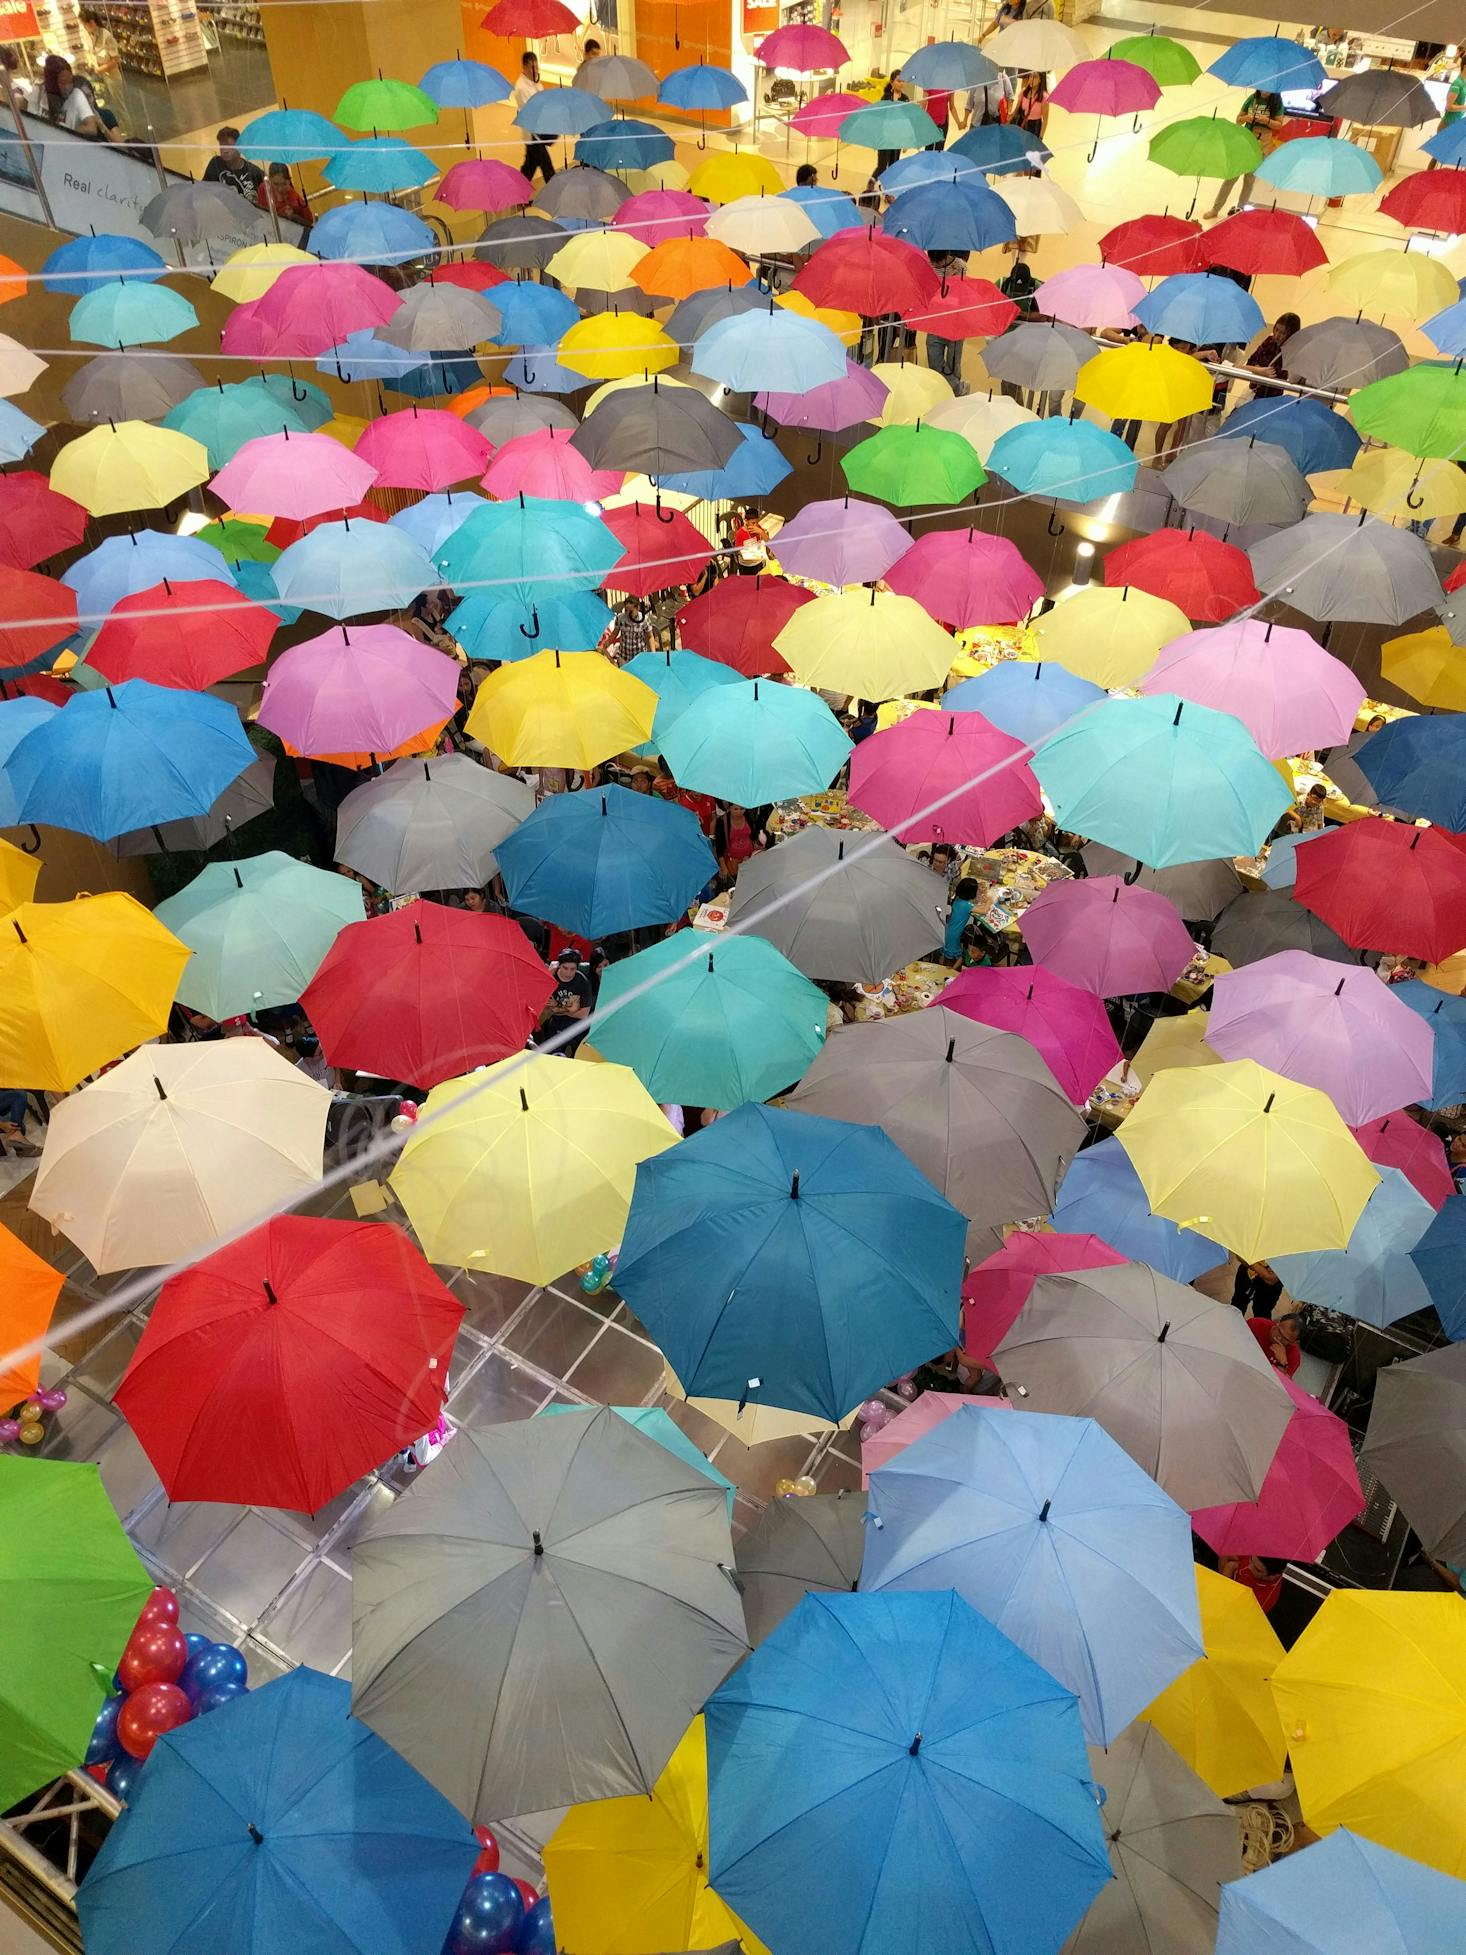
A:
[677,678]
[224,418]
[379,163]
[1162,780]
[890,125]
[733,1022]
[124,312]
[661,1426]
[756,742]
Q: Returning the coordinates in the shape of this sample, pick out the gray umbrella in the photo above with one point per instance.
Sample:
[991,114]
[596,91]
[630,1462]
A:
[1384,98]
[582,191]
[1416,1445]
[434,317]
[1345,353]
[795,1548]
[850,925]
[1262,921]
[617,78]
[538,1619]
[130,387]
[193,212]
[523,242]
[1239,482]
[1045,358]
[658,430]
[1199,890]
[249,795]
[694,315]
[501,419]
[430,824]
[1452,615]
[1342,567]
[642,304]
[1348,776]
[976,1109]
[1172,1843]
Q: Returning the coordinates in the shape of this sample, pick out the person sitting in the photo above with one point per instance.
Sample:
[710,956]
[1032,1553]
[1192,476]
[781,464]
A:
[277,193]
[231,167]
[56,97]
[1278,1340]
[568,1003]
[1308,814]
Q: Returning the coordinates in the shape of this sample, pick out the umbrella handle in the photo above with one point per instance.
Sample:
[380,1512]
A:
[1414,501]
[534,625]
[297,392]
[669,518]
[1093,150]
[819,449]
[1132,876]
[33,846]
[528,377]
[1049,526]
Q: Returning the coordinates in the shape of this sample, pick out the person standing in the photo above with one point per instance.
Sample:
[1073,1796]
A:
[568,1003]
[55,96]
[1262,113]
[537,158]
[231,167]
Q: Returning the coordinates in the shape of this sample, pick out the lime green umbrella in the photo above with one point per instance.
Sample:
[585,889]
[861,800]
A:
[1204,145]
[906,466]
[1172,65]
[385,104]
[1422,410]
[239,542]
[73,1588]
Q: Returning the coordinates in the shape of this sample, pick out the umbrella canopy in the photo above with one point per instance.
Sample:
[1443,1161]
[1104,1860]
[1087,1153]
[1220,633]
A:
[1257,241]
[546,465]
[31,1290]
[122,565]
[879,1445]
[1413,764]
[598,1577]
[1358,569]
[1340,1893]
[1374,1277]
[965,577]
[357,689]
[1201,308]
[187,635]
[1101,1193]
[1091,296]
[756,742]
[867,272]
[658,428]
[422,448]
[1387,886]
[1050,1531]
[1206,579]
[1109,637]
[737,621]
[795,1548]
[243,801]
[35,522]
[561,710]
[1064,1024]
[844,403]
[1152,247]
[1072,460]
[81,263]
[432,823]
[660,552]
[677,678]
[1030,701]
[777,351]
[1260,922]
[849,920]
[1284,687]
[827,1262]
[344,571]
[1338,353]
[915,465]
[607,861]
[1422,410]
[1233,483]
[1398,1141]
[1193,889]
[1111,939]
[872,646]
[131,465]
[1428,666]
[842,542]
[1416,1445]
[1205,146]
[936,775]
[659,1424]
[1308,430]
[762,224]
[1146,381]
[299,475]
[1437,1256]
[130,387]
[1310,1495]
[1219,1715]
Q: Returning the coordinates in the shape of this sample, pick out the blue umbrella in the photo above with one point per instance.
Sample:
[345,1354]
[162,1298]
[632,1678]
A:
[130,312]
[129,756]
[1447,145]
[279,1821]
[289,136]
[677,678]
[1321,166]
[661,1426]
[624,144]
[535,370]
[18,717]
[948,64]
[1101,1195]
[123,565]
[379,233]
[561,112]
[1268,61]
[436,373]
[1440,1260]
[1340,1896]
[1446,1017]
[379,163]
[1028,701]
[797,1261]
[1073,461]
[346,569]
[18,432]
[1054,1534]
[926,166]
[1202,309]
[1447,330]
[223,417]
[464,84]
[963,215]
[433,520]
[888,1771]
[1415,764]
[532,314]
[256,581]
[998,148]
[1281,870]
[755,468]
[362,356]
[1309,431]
[514,625]
[85,262]
[773,351]
[527,543]
[1375,1276]
[702,86]
[830,211]
[606,860]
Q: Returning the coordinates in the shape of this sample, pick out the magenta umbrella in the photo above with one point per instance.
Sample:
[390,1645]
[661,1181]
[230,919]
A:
[980,776]
[1065,1024]
[803,48]
[652,215]
[965,577]
[294,475]
[423,448]
[357,689]
[820,117]
[544,464]
[483,184]
[833,405]
[1106,87]
[845,541]
[1310,1494]
[1288,692]
[311,308]
[1324,1024]
[1107,936]
[1090,296]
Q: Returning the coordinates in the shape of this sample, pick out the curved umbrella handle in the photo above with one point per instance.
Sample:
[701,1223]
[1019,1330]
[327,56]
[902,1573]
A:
[528,378]
[1049,526]
[33,846]
[1132,876]
[534,623]
[1412,500]
[297,392]
[819,449]
[669,517]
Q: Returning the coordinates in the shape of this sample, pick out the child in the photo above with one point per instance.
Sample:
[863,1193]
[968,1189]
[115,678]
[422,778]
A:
[958,917]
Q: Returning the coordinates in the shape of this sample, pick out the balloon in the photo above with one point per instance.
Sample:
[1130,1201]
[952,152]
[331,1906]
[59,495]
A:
[597,1276]
[489,1918]
[52,1401]
[148,1713]
[30,1411]
[32,1432]
[783,1487]
[906,1388]
[98,1772]
[537,1937]
[161,1606]
[155,1653]
[103,1745]
[196,1642]
[804,1486]
[216,1695]
[122,1777]
[528,1892]
[488,1858]
[215,1663]
[9,1429]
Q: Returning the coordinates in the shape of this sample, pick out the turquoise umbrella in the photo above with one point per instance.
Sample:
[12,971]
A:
[1320,166]
[677,678]
[1070,460]
[527,545]
[890,125]
[379,163]
[223,417]
[125,312]
[289,136]
[736,1022]
[661,1426]
[1162,780]
[756,742]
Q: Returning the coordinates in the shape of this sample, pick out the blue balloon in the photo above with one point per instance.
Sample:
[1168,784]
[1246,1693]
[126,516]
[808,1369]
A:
[490,1918]
[215,1663]
[122,1776]
[537,1937]
[216,1694]
[196,1642]
[103,1744]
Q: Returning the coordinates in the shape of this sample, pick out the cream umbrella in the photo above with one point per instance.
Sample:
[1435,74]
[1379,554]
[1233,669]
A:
[980,419]
[870,644]
[1040,208]
[1109,635]
[912,392]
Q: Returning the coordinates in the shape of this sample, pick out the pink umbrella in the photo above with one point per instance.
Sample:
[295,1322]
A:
[834,405]
[844,541]
[924,1412]
[481,184]
[1065,1025]
[1090,296]
[423,448]
[294,475]
[1333,1026]
[1310,1494]
[1106,87]
[995,1292]
[357,689]
[1398,1141]
[980,776]
[806,49]
[965,577]
[652,215]
[544,464]
[1288,692]
[314,307]
[821,116]
[1106,936]
[246,333]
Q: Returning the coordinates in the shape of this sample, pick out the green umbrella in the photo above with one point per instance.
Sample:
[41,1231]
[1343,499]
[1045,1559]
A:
[239,542]
[1204,145]
[224,418]
[906,466]
[1422,410]
[385,104]
[1172,65]
[73,1589]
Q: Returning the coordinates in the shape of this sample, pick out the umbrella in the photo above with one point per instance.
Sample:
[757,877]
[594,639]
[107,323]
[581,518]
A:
[614,346]
[420,448]
[1385,480]
[121,312]
[1371,1701]
[755,469]
[546,465]
[811,1546]
[1412,764]
[1109,637]
[959,216]
[525,1169]
[1309,430]
[756,742]
[433,519]
[114,470]
[1339,353]
[378,163]
[1320,166]
[601,259]
[1446,1018]
[1050,1531]
[652,215]
[299,476]
[855,1717]
[74,1588]
[911,465]
[624,144]
[1030,701]
[81,263]
[1202,309]
[1406,282]
[385,104]
[1173,1042]
[659,551]
[25,637]
[225,419]
[882,1444]
[737,621]
[1110,938]
[1267,61]
[850,921]
[701,86]
[1152,247]
[1260,922]
[1374,1277]
[1267,1164]
[188,635]
[523,242]
[561,710]
[460,84]
[31,1289]
[1065,1025]
[842,542]
[658,429]
[1389,886]
[501,418]
[889,125]
[1382,97]
[1447,144]
[677,678]
[1193,889]
[35,522]
[607,861]
[345,571]
[860,396]
[1399,1141]
[529,543]
[1233,483]
[803,48]
[245,799]
[1205,146]
[1074,460]
[867,273]
[1219,1715]
[357,689]
[296,135]
[774,351]
[429,824]
[534,315]
[19,873]
[936,775]
[1263,241]
[1446,331]
[1287,691]
[1340,1893]
[18,432]
[723,177]
[1201,576]
[1090,296]
[1101,1195]
[676,267]
[1145,381]
[310,308]
[1416,1445]
[737,1024]
[870,646]
[1422,410]
[1310,1495]
[659,1424]
[965,577]
[176,1146]
[975,1108]
[331,1340]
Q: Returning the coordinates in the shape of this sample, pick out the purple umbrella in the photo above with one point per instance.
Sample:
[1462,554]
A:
[837,404]
[1107,936]
[841,542]
[1288,692]
[1066,1026]
[358,689]
[1333,1026]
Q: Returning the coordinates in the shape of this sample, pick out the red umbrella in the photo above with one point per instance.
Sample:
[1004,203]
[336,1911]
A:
[1154,247]
[1430,200]
[425,993]
[869,273]
[171,635]
[996,1290]
[966,577]
[285,530]
[1457,579]
[423,448]
[282,1368]
[1310,1494]
[657,554]
[473,275]
[1383,885]
[40,685]
[1256,241]
[1397,1141]
[968,308]
[1207,580]
[533,19]
[25,599]
[737,621]
[35,522]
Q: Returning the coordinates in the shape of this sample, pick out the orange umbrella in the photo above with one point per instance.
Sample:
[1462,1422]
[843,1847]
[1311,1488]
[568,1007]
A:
[29,1288]
[13,283]
[678,267]
[423,742]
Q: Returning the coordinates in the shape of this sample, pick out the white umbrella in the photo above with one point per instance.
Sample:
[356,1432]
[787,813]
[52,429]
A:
[758,224]
[1040,208]
[1037,46]
[980,419]
[432,823]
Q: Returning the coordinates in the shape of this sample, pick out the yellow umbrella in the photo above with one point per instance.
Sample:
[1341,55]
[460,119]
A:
[81,983]
[1372,1699]
[630,1876]
[670,175]
[609,387]
[348,429]
[248,274]
[1395,484]
[1172,1043]
[752,1423]
[912,392]
[871,644]
[846,326]
[724,175]
[1428,665]
[1254,1160]
[1109,636]
[1144,382]
[615,345]
[525,1168]
[129,465]
[561,709]
[601,261]
[18,872]
[1406,282]
[1219,1713]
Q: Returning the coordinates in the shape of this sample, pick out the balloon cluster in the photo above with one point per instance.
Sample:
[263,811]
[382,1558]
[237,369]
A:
[164,1677]
[28,1424]
[498,1914]
[597,1273]
[874,1415]
[799,1489]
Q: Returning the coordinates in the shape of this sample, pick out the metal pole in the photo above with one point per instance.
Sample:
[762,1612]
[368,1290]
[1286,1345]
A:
[30,157]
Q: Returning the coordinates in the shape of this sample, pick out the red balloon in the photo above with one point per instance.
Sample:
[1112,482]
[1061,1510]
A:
[488,1859]
[161,1606]
[156,1653]
[528,1893]
[148,1713]
[98,1772]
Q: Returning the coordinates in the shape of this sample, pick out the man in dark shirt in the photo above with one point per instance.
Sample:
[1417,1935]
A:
[231,168]
[568,1002]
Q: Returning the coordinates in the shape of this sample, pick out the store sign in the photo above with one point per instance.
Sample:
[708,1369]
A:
[18,21]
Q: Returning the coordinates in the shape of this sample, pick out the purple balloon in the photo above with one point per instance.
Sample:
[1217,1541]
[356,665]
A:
[537,1937]
[490,1917]
[51,1400]
[9,1430]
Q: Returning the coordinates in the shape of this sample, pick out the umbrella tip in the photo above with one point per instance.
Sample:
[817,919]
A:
[1164,1333]
[523,1101]
[794,1187]
[255,1834]
[915,1746]
[951,1048]
[159,1084]
[1270,1098]
[1043,1512]
[539,1546]
[269,1290]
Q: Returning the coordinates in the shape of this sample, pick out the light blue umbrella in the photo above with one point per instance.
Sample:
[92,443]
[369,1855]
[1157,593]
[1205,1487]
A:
[379,163]
[1373,1277]
[434,519]
[362,356]
[830,211]
[123,565]
[461,84]
[1055,1535]
[515,624]
[889,125]
[18,717]
[130,756]
[1307,429]
[756,742]
[661,1426]
[605,861]
[1281,870]
[224,417]
[561,112]
[130,312]
[1447,330]
[1447,145]
[1341,1896]
[677,678]
[1446,1017]
[624,144]
[1268,61]
[528,544]
[800,1262]
[890,1772]
[374,233]
[963,215]
[1321,166]
[702,86]
[1415,764]
[1072,461]
[776,350]
[1162,780]
[925,166]
[1000,148]
[347,569]
[18,432]
[755,468]
[1027,700]
[1101,1195]
[532,314]
[1202,309]
[85,262]
[289,136]
[948,64]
